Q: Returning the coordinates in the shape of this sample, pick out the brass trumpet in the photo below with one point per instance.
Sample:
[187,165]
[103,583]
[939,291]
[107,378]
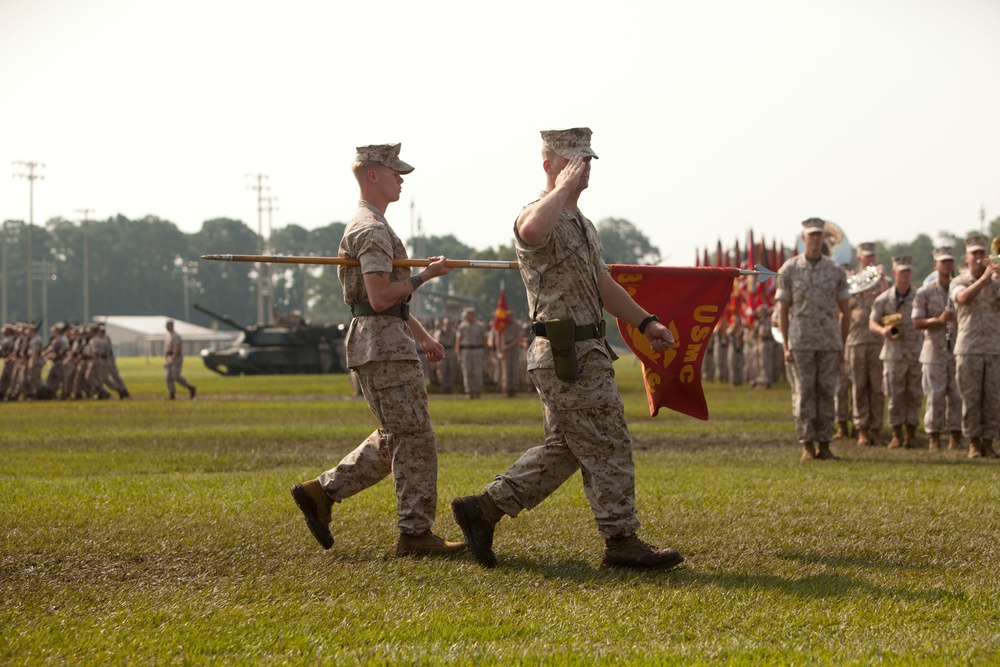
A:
[994,257]
[892,321]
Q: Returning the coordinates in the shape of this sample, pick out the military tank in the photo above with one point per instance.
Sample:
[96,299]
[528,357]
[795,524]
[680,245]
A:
[292,345]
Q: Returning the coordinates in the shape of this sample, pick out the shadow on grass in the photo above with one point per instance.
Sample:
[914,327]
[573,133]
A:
[819,586]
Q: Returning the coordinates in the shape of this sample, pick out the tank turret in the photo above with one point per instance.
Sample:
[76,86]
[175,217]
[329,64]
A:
[292,346]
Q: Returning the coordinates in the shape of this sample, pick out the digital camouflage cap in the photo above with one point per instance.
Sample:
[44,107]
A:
[569,143]
[385,154]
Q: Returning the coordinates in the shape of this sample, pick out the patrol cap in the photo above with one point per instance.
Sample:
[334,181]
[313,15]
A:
[468,311]
[902,262]
[976,242]
[385,154]
[866,249]
[569,143]
[813,225]
[944,253]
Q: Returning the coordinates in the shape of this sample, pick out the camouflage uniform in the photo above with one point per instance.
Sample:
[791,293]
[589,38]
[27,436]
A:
[737,359]
[508,350]
[813,293]
[173,363]
[584,420]
[708,363]
[471,336]
[383,353]
[721,354]
[448,366]
[900,358]
[944,402]
[977,356]
[7,356]
[864,364]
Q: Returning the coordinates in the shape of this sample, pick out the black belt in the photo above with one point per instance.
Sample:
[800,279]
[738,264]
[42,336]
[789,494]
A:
[400,310]
[470,347]
[581,332]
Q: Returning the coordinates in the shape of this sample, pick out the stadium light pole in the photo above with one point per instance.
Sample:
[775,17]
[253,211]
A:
[32,176]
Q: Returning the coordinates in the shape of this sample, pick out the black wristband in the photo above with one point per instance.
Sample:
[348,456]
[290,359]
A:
[645,323]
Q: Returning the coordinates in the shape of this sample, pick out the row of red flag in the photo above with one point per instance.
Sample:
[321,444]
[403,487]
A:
[690,301]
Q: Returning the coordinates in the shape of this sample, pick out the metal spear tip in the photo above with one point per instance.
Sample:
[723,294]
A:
[765,273]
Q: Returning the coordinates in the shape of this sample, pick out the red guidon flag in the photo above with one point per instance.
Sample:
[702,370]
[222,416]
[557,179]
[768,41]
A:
[689,301]
[501,316]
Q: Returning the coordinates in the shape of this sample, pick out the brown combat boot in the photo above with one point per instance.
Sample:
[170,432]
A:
[897,437]
[863,440]
[808,452]
[986,444]
[875,437]
[426,544]
[841,432]
[477,516]
[910,437]
[934,442]
[824,454]
[633,553]
[315,506]
[975,449]
[955,441]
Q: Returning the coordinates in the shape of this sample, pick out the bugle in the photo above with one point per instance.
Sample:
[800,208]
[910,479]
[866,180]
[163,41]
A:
[892,321]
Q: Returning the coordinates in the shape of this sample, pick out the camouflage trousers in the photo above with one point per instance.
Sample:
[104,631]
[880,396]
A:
[6,376]
[448,370]
[944,402]
[814,382]
[865,371]
[510,371]
[842,394]
[472,370]
[902,384]
[173,366]
[584,429]
[721,362]
[708,366]
[978,377]
[736,362]
[403,445]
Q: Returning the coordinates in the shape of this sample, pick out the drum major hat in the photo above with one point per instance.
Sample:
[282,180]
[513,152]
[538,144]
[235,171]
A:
[385,154]
[569,143]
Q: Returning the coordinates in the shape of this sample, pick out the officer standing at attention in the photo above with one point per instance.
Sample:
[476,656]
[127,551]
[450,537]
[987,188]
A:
[381,348]
[900,353]
[470,340]
[173,361]
[570,362]
[934,314]
[864,367]
[976,294]
[813,317]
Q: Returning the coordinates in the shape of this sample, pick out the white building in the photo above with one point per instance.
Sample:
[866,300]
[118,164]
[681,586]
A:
[144,335]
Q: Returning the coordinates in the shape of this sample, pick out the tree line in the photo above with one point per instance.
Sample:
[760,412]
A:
[148,266]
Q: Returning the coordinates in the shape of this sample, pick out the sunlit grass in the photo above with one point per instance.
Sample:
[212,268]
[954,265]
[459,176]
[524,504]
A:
[154,531]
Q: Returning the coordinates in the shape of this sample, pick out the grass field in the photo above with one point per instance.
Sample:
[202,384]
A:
[152,531]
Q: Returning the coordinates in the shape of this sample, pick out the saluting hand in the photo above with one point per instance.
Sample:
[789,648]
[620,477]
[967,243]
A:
[571,173]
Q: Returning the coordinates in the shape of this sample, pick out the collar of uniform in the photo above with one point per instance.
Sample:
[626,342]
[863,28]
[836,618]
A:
[371,207]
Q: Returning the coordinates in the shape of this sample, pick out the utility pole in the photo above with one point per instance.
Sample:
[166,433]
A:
[259,188]
[271,208]
[85,228]
[3,288]
[982,219]
[30,267]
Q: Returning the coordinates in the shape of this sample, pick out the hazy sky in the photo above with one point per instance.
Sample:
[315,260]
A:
[709,117]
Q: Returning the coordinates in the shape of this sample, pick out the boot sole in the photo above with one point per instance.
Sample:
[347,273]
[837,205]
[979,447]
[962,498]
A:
[485,557]
[309,510]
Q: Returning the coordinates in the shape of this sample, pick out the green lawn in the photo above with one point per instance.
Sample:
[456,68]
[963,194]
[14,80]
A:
[153,531]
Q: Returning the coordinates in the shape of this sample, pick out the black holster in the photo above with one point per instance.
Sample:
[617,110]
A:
[562,337]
